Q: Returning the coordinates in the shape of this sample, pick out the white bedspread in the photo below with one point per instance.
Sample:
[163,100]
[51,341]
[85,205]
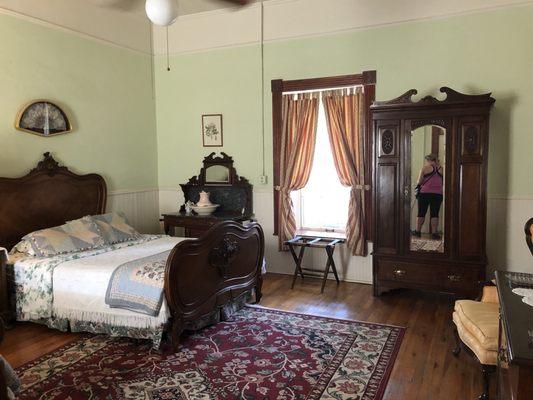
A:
[79,286]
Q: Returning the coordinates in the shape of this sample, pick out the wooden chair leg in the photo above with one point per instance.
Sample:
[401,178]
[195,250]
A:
[457,348]
[487,371]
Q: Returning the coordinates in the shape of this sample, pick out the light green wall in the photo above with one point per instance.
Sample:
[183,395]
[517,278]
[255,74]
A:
[106,90]
[472,53]
[220,82]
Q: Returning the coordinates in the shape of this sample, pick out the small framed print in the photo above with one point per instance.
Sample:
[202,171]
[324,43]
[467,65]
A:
[212,130]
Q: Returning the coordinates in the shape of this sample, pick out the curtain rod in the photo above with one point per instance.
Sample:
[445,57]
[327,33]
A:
[324,89]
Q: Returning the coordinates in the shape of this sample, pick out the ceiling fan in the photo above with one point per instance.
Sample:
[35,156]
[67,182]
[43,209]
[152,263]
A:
[160,12]
[165,12]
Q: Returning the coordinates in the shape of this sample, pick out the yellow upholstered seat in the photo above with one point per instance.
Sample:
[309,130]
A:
[477,325]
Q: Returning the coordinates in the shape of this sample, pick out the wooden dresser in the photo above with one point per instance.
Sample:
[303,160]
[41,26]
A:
[196,225]
[515,355]
[233,194]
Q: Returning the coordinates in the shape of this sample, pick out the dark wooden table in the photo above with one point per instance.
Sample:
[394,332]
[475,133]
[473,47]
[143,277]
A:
[326,243]
[515,355]
[196,225]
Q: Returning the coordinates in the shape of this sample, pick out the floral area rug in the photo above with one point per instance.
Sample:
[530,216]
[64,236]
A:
[258,354]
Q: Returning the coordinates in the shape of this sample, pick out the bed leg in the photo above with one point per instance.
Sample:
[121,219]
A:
[176,331]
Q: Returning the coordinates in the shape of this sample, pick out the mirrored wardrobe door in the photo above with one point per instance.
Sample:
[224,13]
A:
[426,169]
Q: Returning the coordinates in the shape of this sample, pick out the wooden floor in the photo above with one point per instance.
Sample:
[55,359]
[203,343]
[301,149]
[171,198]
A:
[425,368]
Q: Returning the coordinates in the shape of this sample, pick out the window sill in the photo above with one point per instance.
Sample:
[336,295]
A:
[319,233]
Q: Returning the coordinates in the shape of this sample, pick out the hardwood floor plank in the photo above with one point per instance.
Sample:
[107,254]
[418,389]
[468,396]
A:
[425,368]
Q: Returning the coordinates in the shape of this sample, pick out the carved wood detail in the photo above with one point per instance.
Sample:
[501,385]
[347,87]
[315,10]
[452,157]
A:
[442,122]
[453,97]
[471,140]
[223,255]
[528,229]
[387,141]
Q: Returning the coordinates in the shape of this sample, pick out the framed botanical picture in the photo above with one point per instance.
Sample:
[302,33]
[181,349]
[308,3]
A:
[212,130]
[43,118]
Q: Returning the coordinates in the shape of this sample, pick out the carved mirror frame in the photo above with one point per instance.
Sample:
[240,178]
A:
[212,160]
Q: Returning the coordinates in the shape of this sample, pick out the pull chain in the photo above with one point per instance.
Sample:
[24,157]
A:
[168,53]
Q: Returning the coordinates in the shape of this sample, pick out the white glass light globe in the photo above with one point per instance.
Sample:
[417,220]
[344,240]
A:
[162,12]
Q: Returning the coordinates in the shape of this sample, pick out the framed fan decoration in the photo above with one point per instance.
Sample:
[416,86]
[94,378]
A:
[43,118]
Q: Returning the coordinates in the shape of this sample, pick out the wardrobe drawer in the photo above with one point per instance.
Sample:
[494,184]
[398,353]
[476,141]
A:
[448,278]
[409,272]
[462,277]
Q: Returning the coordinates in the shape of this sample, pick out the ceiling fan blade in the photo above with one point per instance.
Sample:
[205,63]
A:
[125,5]
[238,2]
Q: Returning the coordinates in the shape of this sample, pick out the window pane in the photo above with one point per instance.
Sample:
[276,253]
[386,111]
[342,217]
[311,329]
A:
[324,201]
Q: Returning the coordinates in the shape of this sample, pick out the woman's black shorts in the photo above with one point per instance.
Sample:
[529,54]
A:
[431,200]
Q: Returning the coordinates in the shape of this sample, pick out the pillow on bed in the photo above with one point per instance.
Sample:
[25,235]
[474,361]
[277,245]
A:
[115,228]
[81,234]
[23,247]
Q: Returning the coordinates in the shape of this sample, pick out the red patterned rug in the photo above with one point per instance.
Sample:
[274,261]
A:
[258,354]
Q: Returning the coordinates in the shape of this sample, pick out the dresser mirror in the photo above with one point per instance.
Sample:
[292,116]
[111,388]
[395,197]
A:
[428,160]
[217,174]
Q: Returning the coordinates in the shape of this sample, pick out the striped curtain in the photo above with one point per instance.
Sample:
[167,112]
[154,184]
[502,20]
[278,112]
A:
[299,118]
[345,119]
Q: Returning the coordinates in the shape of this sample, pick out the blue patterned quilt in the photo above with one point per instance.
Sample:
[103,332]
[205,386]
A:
[138,285]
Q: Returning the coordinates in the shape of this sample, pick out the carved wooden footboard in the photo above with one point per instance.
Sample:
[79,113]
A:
[204,274]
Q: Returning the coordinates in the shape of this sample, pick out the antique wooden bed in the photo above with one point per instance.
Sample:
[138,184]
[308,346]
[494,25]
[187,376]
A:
[229,256]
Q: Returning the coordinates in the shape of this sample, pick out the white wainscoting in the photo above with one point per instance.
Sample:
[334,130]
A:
[506,246]
[352,269]
[140,206]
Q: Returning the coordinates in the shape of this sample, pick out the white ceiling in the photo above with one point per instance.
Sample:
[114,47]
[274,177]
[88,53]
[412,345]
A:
[185,6]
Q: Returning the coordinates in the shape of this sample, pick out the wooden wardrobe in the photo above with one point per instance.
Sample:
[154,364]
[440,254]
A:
[404,132]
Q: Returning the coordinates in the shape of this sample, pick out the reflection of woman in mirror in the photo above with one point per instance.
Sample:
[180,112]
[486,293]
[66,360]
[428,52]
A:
[430,195]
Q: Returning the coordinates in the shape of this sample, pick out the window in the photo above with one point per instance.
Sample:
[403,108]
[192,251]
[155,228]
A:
[323,204]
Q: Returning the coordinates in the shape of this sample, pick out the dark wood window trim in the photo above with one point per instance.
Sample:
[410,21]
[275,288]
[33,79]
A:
[279,86]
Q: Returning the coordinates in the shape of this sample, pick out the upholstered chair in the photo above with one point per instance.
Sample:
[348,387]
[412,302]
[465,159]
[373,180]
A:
[476,329]
[477,322]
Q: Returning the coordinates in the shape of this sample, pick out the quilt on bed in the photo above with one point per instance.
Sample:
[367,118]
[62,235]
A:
[138,284]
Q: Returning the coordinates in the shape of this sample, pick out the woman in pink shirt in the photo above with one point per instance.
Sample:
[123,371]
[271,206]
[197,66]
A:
[429,195]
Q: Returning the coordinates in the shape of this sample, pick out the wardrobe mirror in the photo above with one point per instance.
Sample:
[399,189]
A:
[428,160]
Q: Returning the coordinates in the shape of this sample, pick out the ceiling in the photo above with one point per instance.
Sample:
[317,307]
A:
[185,6]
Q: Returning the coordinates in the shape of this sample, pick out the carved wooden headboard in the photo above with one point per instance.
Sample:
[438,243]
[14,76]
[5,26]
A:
[49,195]
[528,228]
